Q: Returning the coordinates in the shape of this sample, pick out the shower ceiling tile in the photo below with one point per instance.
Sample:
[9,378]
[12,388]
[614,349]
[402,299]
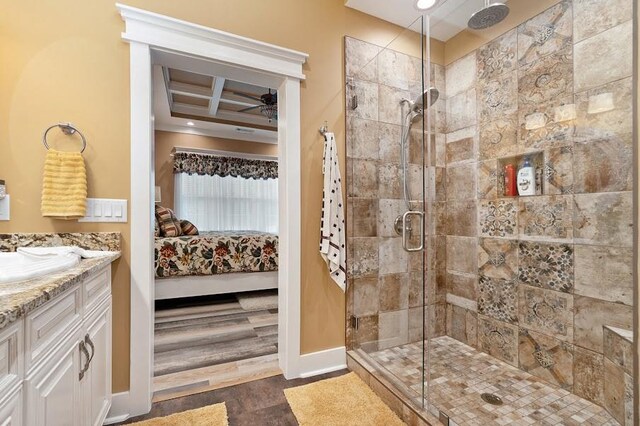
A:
[545,33]
[461,75]
[498,218]
[604,219]
[549,217]
[498,138]
[546,79]
[498,258]
[546,311]
[498,339]
[498,98]
[360,59]
[605,57]
[498,56]
[498,299]
[592,314]
[599,120]
[591,18]
[546,265]
[547,358]
[588,375]
[614,283]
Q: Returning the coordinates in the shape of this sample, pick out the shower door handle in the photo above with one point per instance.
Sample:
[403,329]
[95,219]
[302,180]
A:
[405,218]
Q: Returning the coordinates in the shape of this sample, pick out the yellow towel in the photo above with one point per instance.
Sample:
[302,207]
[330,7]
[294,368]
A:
[64,185]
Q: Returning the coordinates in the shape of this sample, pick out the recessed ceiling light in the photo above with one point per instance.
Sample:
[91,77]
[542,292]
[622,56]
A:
[425,4]
[190,123]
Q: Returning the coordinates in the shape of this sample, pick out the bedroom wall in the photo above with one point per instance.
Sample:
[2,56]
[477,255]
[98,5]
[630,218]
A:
[166,141]
[65,60]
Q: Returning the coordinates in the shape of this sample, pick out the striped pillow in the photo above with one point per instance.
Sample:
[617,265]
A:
[169,223]
[188,228]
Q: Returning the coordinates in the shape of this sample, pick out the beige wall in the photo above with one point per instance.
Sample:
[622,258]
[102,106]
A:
[166,141]
[65,60]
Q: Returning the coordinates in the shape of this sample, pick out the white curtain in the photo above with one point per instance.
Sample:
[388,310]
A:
[215,203]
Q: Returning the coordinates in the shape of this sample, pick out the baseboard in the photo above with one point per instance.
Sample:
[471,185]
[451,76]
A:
[119,411]
[322,362]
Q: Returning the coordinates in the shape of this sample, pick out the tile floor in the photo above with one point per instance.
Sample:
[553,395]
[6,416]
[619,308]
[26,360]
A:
[459,374]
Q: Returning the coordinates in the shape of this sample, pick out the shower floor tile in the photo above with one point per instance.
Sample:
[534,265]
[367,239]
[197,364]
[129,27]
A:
[460,374]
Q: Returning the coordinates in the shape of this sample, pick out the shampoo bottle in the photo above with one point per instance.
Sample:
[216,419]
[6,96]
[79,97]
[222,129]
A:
[527,179]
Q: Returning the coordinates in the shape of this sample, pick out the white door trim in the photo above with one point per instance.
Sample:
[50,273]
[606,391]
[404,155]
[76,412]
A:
[155,38]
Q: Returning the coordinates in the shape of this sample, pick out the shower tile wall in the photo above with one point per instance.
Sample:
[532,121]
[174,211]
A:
[385,288]
[544,282]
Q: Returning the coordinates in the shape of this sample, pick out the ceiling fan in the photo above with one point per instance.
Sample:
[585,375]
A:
[268,107]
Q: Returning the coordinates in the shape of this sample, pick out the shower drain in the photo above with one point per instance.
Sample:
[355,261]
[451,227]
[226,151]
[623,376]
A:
[491,398]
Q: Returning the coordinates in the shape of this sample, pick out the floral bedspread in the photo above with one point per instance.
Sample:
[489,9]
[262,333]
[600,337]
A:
[213,253]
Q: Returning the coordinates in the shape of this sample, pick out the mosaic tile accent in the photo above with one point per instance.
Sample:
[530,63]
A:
[498,98]
[558,171]
[547,358]
[488,179]
[546,265]
[498,218]
[546,79]
[546,311]
[498,138]
[498,56]
[546,217]
[498,299]
[498,339]
[498,258]
[459,374]
[548,32]
[604,219]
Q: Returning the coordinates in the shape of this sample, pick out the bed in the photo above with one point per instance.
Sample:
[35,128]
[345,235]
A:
[215,263]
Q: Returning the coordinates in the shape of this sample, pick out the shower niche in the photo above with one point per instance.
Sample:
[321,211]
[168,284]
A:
[537,160]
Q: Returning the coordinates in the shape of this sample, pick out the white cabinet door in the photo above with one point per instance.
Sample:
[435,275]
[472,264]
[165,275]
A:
[96,384]
[53,390]
[11,410]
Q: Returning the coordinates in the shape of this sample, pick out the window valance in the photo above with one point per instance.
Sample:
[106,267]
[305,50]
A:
[212,165]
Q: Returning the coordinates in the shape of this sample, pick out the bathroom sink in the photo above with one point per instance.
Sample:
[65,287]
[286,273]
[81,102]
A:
[16,267]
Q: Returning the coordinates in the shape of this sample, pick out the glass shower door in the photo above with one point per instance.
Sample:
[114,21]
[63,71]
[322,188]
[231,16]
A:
[388,174]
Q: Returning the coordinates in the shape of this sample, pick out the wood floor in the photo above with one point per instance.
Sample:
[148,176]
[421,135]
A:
[257,403]
[210,342]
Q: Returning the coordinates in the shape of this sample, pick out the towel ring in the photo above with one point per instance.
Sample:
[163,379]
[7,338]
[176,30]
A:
[68,129]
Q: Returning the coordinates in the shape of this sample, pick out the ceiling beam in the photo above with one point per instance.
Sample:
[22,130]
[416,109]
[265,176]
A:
[239,117]
[218,86]
[189,90]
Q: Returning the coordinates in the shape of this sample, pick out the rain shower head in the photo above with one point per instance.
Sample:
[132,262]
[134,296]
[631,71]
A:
[430,95]
[488,16]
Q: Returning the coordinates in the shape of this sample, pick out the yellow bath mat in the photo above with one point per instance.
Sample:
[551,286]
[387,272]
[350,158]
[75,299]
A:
[344,400]
[64,185]
[211,415]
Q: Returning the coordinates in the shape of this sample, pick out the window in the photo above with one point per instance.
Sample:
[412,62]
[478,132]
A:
[215,203]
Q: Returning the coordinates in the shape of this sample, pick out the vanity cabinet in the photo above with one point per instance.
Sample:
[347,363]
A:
[61,371]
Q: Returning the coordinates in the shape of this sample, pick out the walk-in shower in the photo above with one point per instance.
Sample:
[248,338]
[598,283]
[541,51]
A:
[468,303]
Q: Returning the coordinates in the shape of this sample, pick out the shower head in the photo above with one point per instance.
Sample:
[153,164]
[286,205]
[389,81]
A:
[430,95]
[488,16]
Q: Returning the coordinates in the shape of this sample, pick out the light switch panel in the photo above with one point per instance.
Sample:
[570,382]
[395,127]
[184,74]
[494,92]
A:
[105,210]
[5,208]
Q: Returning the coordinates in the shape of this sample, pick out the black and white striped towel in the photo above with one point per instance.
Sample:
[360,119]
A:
[332,239]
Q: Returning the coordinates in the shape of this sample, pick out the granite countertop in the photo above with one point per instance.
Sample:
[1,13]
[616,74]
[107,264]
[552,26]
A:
[19,298]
